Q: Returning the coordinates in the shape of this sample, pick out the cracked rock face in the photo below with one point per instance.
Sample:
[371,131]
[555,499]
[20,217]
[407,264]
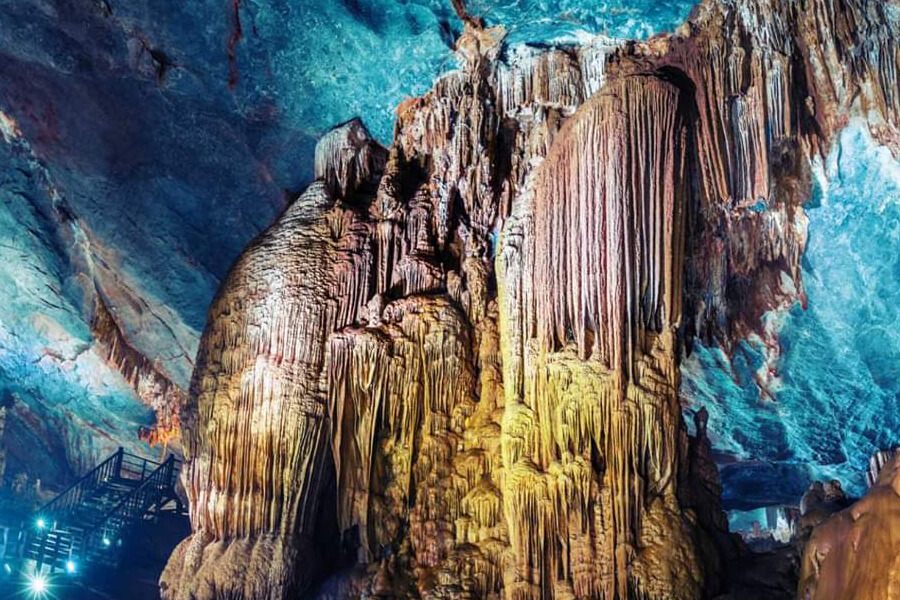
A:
[118,221]
[462,353]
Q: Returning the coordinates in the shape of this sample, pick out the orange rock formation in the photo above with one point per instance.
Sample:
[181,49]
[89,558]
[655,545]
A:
[856,553]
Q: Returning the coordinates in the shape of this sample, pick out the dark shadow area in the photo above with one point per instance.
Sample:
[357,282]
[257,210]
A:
[144,554]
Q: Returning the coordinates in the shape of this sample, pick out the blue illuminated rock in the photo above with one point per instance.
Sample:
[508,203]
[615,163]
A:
[144,145]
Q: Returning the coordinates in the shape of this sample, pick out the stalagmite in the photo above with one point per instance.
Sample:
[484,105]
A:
[347,158]
[464,350]
[255,434]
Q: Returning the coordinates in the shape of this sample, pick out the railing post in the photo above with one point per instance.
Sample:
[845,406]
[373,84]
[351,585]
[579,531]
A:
[40,557]
[119,456]
[22,540]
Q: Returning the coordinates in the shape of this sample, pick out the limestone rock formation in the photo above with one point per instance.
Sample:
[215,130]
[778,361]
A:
[856,552]
[152,386]
[256,431]
[877,463]
[469,367]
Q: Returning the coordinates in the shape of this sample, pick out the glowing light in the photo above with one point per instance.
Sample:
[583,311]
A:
[70,567]
[106,541]
[41,523]
[7,568]
[38,587]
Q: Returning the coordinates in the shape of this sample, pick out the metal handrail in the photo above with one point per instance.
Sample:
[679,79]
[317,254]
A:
[155,484]
[73,495]
[136,502]
[132,461]
[114,467]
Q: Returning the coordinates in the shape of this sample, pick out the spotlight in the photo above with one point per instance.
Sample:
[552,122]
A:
[37,587]
[7,568]
[70,566]
[41,523]
[106,541]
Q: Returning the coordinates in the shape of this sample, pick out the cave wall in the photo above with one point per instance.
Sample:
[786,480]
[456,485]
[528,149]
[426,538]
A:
[478,354]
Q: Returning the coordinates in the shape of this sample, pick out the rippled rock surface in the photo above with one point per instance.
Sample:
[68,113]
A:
[854,554]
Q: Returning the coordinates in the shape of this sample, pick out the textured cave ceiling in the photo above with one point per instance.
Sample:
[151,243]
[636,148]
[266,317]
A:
[144,144]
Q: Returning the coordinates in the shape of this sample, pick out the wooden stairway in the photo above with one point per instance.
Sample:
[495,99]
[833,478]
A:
[86,524]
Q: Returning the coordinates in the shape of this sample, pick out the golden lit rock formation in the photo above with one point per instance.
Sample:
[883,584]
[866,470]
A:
[256,431]
[469,367]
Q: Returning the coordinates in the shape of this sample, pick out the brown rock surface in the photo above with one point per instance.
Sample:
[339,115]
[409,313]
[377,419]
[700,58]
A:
[854,554]
[475,363]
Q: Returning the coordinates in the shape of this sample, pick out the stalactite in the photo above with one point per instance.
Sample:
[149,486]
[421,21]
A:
[609,222]
[150,384]
[877,463]
[412,377]
[600,383]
